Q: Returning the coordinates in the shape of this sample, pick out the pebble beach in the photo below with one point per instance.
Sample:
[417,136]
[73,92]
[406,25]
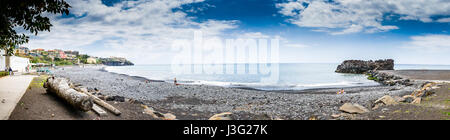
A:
[243,103]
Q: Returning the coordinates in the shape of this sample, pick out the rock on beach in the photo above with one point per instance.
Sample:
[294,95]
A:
[353,108]
[361,66]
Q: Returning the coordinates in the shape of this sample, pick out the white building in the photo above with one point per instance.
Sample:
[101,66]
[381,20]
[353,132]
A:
[18,64]
[92,60]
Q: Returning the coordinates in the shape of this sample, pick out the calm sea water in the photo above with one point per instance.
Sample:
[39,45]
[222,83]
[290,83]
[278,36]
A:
[286,76]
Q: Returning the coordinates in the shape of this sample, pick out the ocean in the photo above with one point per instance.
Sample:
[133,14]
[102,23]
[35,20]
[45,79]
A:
[283,76]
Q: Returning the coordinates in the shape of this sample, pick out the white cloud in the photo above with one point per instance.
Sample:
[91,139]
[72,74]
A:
[253,35]
[138,30]
[429,43]
[296,45]
[351,16]
[443,20]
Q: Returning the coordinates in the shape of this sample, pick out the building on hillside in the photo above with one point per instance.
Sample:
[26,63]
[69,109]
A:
[38,51]
[51,53]
[75,53]
[35,55]
[22,51]
[91,60]
[62,55]
[71,54]
[57,54]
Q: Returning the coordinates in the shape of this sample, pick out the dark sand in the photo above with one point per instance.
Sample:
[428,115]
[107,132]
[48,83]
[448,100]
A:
[440,75]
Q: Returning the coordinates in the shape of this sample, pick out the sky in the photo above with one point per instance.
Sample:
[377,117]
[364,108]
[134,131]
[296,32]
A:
[310,31]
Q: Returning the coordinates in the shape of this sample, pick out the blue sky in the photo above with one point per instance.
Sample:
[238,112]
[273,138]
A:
[312,31]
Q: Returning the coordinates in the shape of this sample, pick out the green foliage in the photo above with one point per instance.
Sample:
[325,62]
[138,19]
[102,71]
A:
[370,77]
[44,59]
[63,62]
[38,82]
[99,61]
[3,73]
[27,14]
[83,58]
[47,60]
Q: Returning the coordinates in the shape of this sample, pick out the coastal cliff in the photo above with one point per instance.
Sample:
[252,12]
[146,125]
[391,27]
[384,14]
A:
[361,66]
[116,61]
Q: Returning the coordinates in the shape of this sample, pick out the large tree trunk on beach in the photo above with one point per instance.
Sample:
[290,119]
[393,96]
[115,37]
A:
[60,87]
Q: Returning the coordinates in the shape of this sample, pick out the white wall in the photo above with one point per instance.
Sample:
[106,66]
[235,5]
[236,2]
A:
[17,63]
[2,61]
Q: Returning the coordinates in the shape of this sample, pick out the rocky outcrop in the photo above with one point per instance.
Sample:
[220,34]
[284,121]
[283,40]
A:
[425,90]
[360,66]
[387,78]
[116,61]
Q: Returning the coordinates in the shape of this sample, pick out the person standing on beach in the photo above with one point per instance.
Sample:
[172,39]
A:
[175,81]
[10,71]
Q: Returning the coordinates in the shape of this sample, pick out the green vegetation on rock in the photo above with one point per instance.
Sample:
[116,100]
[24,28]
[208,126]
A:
[370,77]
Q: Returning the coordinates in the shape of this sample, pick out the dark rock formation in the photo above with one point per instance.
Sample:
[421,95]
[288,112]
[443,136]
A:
[116,61]
[388,79]
[115,98]
[360,66]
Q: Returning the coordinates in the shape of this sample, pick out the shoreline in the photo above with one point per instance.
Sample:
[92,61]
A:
[183,100]
[291,91]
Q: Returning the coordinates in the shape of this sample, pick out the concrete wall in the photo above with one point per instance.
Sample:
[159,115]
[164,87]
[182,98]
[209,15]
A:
[2,60]
[17,63]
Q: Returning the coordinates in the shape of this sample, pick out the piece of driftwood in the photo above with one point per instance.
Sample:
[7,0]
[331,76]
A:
[97,109]
[60,87]
[105,104]
[99,101]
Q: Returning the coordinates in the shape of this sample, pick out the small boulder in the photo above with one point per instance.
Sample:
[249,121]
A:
[398,99]
[384,110]
[150,111]
[417,100]
[408,99]
[427,85]
[336,115]
[385,100]
[423,92]
[222,116]
[353,108]
[115,98]
[169,116]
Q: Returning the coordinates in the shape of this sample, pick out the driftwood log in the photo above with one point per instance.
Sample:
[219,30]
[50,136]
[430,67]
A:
[104,104]
[99,110]
[60,87]
[99,101]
